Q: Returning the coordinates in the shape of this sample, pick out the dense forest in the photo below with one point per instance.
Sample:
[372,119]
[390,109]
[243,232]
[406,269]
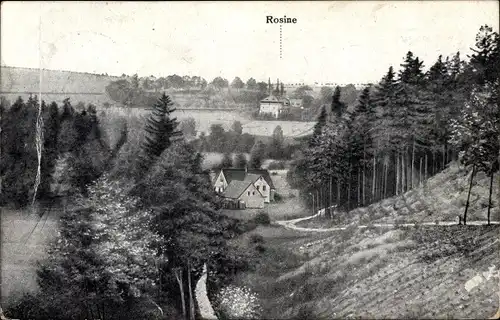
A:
[404,129]
[140,219]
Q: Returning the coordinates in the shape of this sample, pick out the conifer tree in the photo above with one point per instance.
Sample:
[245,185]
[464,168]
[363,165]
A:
[318,127]
[484,60]
[227,161]
[257,155]
[240,161]
[337,107]
[161,129]
[50,148]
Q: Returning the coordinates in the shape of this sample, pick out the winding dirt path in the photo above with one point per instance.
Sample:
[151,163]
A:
[291,224]
[206,310]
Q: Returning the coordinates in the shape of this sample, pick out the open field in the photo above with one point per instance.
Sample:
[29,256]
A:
[212,159]
[16,79]
[24,238]
[205,118]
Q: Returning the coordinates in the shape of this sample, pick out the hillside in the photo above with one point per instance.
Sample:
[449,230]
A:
[56,85]
[16,79]
[402,272]
[24,237]
[443,198]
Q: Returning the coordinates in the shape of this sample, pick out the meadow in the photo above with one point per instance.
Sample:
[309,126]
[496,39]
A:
[205,118]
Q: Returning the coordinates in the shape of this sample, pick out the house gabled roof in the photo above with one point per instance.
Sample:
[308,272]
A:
[271,98]
[239,174]
[236,188]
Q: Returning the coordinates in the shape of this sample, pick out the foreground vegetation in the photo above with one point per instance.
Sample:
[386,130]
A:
[140,219]
[376,273]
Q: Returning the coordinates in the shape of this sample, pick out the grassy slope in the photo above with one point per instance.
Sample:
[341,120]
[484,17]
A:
[24,239]
[443,198]
[382,273]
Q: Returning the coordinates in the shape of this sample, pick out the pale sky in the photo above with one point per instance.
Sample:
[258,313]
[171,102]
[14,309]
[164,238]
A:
[342,42]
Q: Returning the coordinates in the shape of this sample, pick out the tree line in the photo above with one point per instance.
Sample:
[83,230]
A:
[235,141]
[69,137]
[404,129]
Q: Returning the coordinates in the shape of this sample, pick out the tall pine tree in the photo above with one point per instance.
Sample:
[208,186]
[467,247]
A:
[161,130]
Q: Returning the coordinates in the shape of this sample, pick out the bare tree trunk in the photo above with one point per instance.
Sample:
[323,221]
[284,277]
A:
[374,175]
[349,186]
[489,198]
[408,168]
[380,187]
[444,155]
[433,162]
[397,173]
[403,171]
[363,201]
[314,211]
[425,176]
[191,301]
[320,198]
[420,173]
[359,187]
[413,164]
[338,193]
[317,201]
[103,308]
[178,276]
[468,195]
[330,195]
[385,178]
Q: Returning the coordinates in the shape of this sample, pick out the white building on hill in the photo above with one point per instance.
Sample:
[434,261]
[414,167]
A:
[273,105]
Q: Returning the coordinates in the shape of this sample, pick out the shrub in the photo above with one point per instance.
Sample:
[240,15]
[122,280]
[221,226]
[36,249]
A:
[245,226]
[29,306]
[262,218]
[276,165]
[260,248]
[278,197]
[256,238]
[238,303]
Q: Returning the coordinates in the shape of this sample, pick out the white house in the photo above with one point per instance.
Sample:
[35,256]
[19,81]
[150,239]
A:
[248,188]
[274,105]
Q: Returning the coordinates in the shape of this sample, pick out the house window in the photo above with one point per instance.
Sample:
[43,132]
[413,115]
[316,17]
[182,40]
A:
[264,188]
[248,193]
[253,193]
[258,188]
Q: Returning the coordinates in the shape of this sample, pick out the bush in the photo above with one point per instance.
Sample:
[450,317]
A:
[276,165]
[278,197]
[29,306]
[238,303]
[262,218]
[256,238]
[245,226]
[260,248]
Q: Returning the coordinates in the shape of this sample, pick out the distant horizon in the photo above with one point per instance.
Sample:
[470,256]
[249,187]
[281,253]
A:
[345,41]
[208,80]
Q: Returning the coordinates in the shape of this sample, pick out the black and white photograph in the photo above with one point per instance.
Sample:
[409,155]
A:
[302,160]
